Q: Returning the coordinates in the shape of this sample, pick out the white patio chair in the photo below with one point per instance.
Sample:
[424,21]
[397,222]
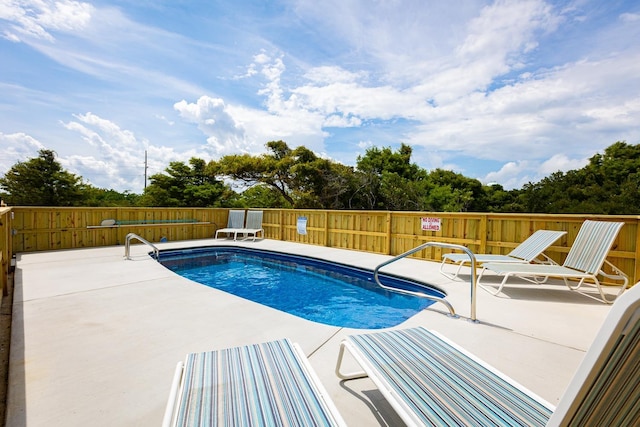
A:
[584,263]
[253,225]
[526,252]
[235,223]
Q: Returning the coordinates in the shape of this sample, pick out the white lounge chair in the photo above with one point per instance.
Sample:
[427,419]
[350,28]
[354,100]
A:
[268,384]
[429,380]
[253,225]
[235,223]
[584,262]
[526,252]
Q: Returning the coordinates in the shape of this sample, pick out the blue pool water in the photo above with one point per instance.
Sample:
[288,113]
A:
[313,289]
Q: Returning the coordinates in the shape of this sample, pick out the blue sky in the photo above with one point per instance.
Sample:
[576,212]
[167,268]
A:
[502,91]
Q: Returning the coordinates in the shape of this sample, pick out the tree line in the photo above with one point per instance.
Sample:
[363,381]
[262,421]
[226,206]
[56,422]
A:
[382,179]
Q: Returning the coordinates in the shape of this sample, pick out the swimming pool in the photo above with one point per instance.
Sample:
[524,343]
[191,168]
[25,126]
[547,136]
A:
[317,290]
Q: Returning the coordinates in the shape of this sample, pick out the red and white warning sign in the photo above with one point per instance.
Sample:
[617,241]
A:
[430,224]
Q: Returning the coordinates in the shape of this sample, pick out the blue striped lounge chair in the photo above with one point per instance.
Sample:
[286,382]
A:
[268,384]
[531,250]
[583,265]
[235,224]
[431,381]
[253,225]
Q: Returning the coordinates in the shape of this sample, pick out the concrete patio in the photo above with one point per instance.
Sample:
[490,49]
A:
[95,338]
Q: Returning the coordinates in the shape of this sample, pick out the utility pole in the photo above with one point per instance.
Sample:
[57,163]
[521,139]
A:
[145,169]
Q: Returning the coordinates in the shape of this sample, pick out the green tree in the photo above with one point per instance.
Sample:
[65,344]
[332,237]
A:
[298,176]
[105,197]
[272,169]
[401,194]
[186,185]
[388,180]
[464,194]
[378,160]
[391,181]
[318,182]
[262,196]
[500,200]
[608,185]
[42,181]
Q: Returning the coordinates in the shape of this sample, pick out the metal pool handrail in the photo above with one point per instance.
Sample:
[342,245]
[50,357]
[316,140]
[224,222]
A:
[472,279]
[127,245]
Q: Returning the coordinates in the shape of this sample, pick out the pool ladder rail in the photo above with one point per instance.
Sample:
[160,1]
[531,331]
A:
[472,279]
[127,246]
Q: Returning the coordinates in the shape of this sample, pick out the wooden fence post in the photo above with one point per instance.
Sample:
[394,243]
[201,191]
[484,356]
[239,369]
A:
[281,224]
[326,228]
[388,242]
[483,234]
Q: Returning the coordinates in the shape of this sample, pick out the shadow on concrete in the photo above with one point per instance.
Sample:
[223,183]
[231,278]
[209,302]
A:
[14,398]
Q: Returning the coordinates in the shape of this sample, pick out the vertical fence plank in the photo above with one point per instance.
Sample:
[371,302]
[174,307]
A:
[387,243]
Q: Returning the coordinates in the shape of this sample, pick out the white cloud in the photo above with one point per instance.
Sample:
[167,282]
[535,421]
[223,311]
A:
[528,115]
[11,36]
[400,37]
[231,128]
[517,174]
[630,17]
[365,144]
[38,18]
[336,120]
[582,106]
[102,42]
[562,163]
[224,134]
[382,102]
[116,158]
[17,147]
[294,126]
[118,161]
[65,15]
[498,80]
[496,39]
[495,45]
[325,75]
[164,119]
[505,28]
[513,174]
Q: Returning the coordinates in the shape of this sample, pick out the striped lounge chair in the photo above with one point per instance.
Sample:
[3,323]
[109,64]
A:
[526,252]
[235,224]
[268,384]
[584,263]
[431,381]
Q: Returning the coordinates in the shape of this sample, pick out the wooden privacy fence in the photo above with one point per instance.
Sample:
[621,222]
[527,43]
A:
[383,232]
[393,233]
[50,228]
[5,248]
